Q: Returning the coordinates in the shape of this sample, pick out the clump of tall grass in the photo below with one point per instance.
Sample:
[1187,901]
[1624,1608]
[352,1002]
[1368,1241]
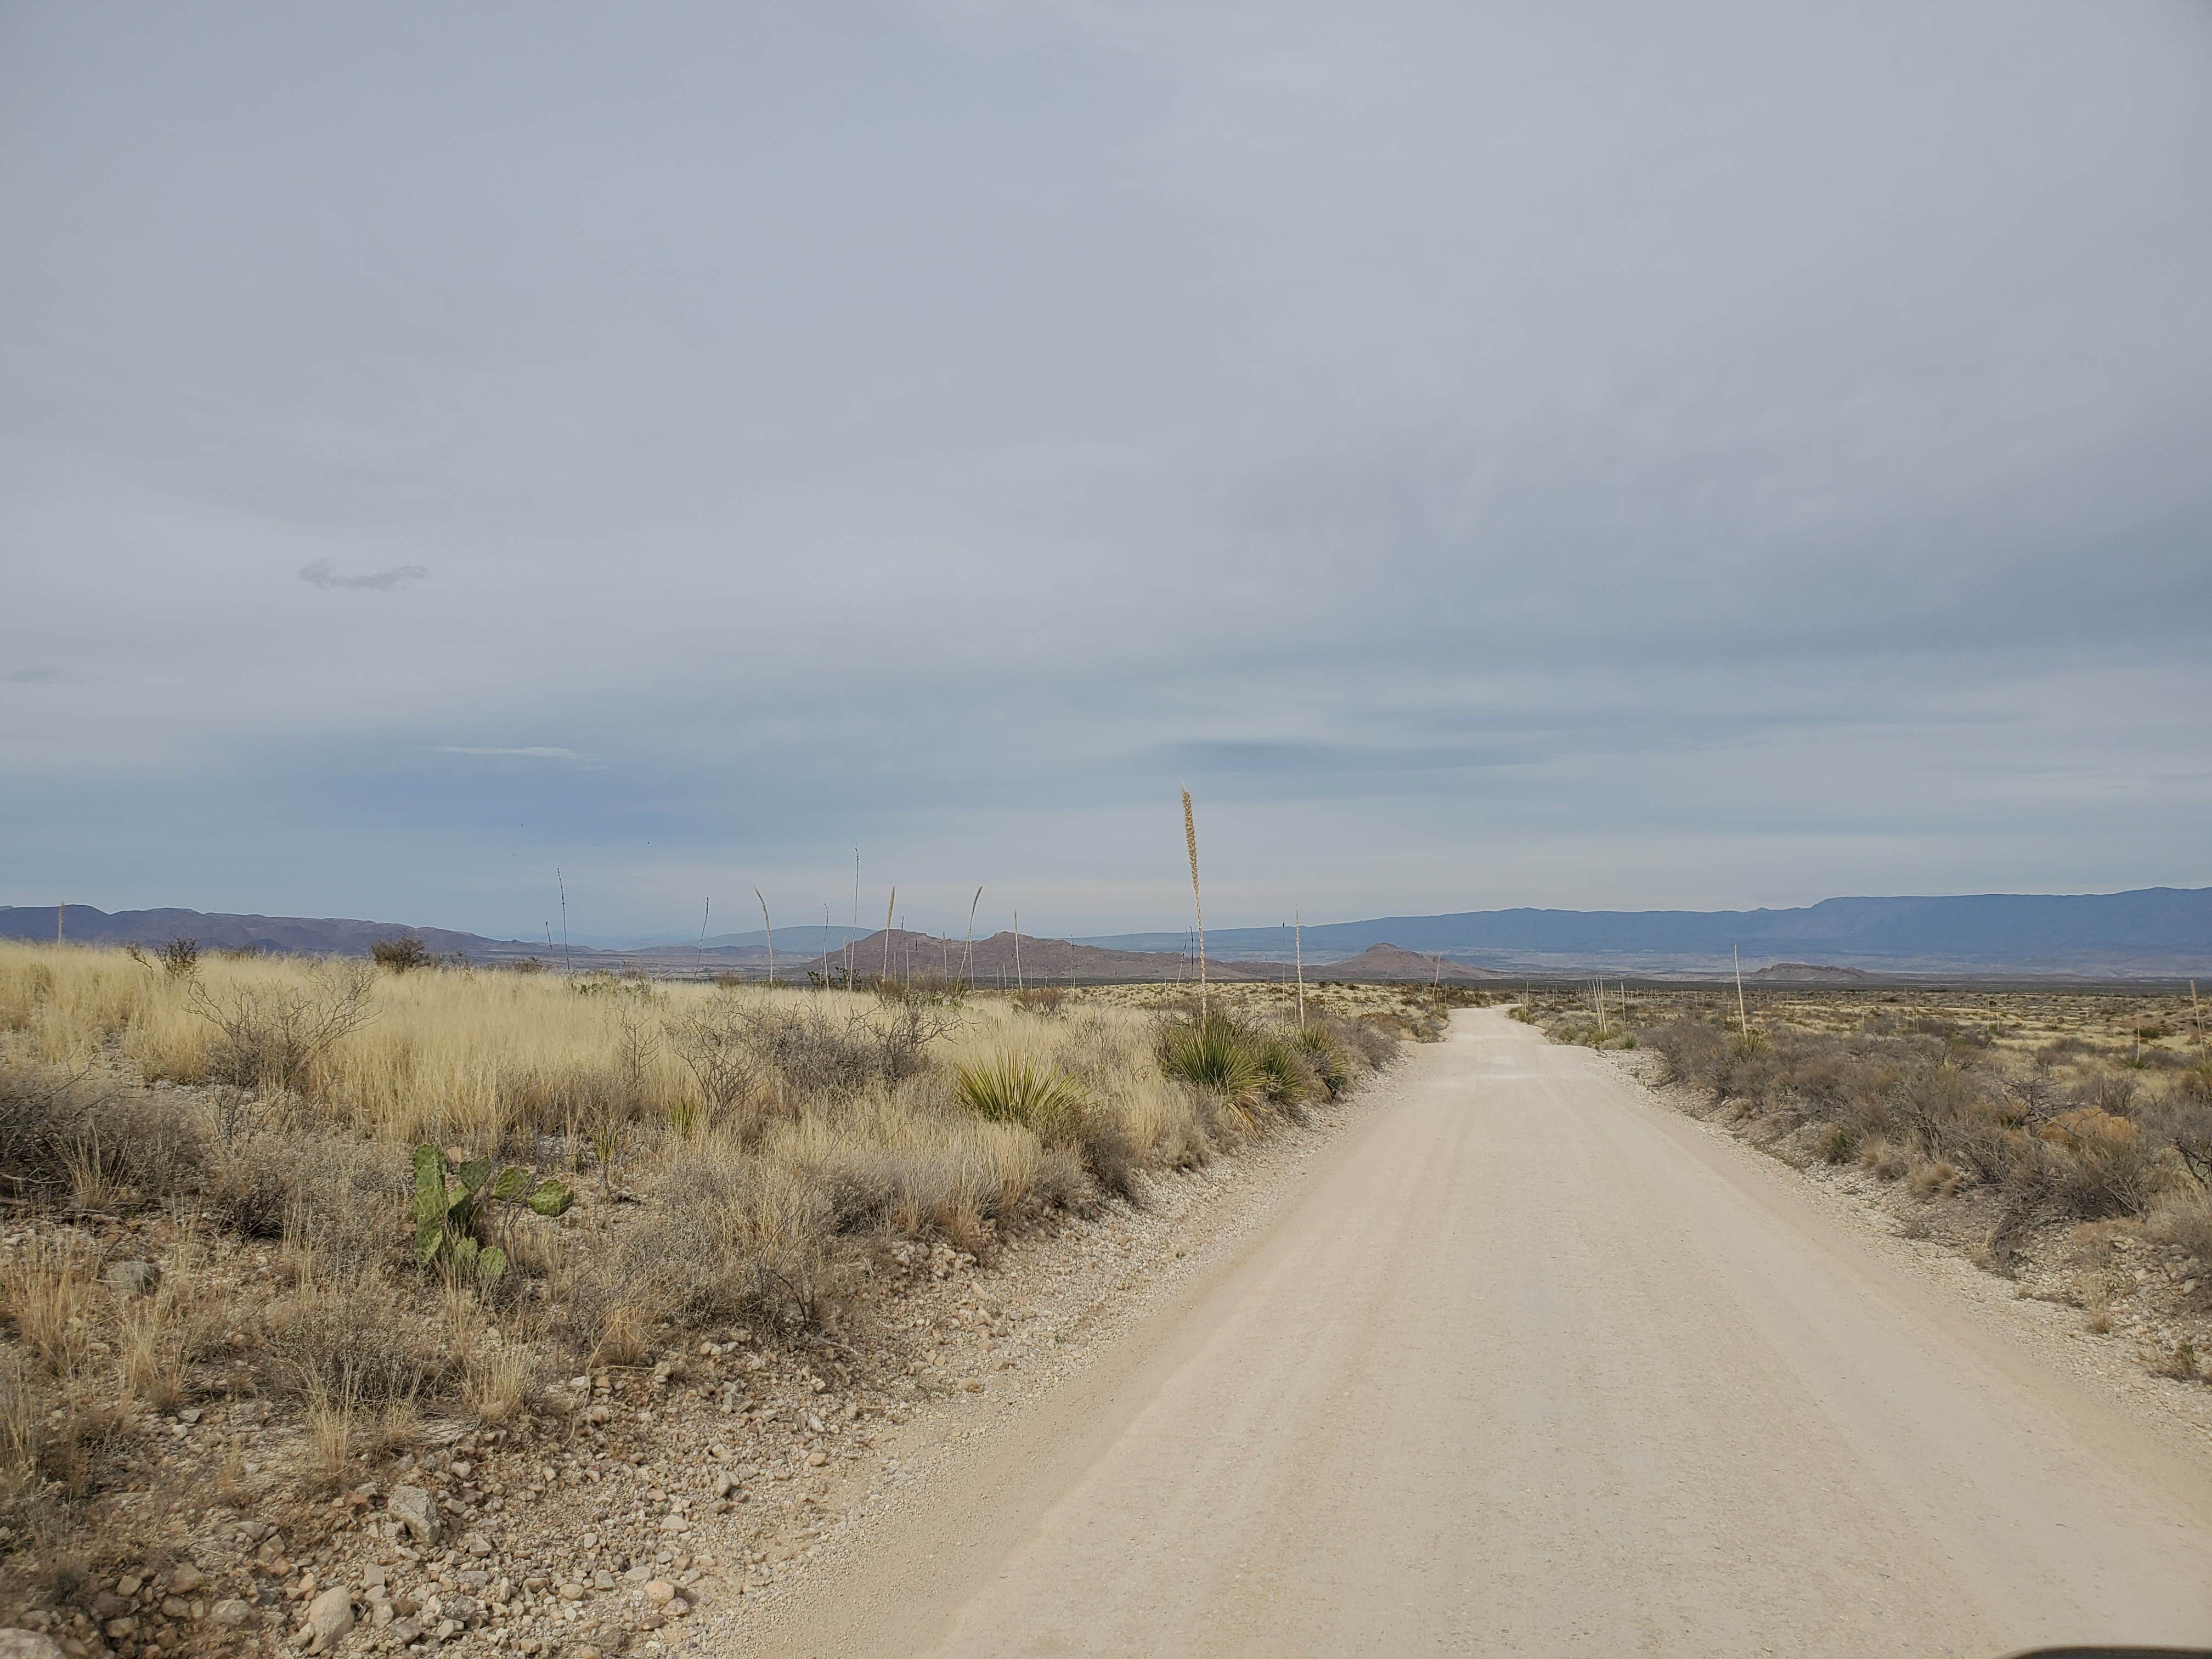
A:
[1011,1088]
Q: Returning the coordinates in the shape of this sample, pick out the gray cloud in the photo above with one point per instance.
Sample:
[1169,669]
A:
[321,573]
[33,675]
[531,752]
[1586,454]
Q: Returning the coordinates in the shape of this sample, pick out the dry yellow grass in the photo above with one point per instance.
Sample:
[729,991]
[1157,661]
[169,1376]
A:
[467,1056]
[739,1154]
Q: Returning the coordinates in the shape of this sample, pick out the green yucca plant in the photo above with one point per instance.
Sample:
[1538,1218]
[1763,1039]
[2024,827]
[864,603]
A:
[1327,1057]
[1009,1089]
[1213,1051]
[1285,1078]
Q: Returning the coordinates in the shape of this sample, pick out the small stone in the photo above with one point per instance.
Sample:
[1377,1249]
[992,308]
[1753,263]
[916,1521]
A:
[133,1277]
[28,1644]
[816,1460]
[330,1615]
[661,1592]
[406,1633]
[571,1591]
[677,1607]
[231,1611]
[185,1578]
[175,1607]
[120,1628]
[413,1507]
[477,1545]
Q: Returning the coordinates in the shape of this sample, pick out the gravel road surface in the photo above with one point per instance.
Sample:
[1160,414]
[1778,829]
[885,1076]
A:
[1529,1364]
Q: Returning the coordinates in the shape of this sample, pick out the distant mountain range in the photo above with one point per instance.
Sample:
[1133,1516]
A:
[306,936]
[2151,931]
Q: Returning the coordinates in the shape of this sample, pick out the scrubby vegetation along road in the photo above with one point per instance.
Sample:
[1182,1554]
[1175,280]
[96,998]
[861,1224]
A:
[404,1307]
[1530,1364]
[2061,1139]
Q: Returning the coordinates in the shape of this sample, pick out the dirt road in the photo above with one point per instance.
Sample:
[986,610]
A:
[1532,1365]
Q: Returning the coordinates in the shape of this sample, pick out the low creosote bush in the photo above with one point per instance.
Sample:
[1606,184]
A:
[1923,1094]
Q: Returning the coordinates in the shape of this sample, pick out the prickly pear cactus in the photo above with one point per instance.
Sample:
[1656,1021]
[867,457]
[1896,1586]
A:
[512,1185]
[431,1203]
[444,1215]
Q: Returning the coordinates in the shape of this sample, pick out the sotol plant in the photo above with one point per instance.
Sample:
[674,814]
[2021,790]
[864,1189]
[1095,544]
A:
[1214,1053]
[445,1215]
[1008,1089]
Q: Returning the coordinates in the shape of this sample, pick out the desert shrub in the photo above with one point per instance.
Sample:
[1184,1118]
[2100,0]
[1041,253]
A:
[104,1143]
[1689,1049]
[345,1201]
[270,1035]
[2183,1120]
[713,1043]
[346,1341]
[2184,1220]
[180,957]
[752,1237]
[1046,999]
[1838,1142]
[1368,1038]
[1884,1161]
[1919,1095]
[817,1054]
[402,954]
[1934,1178]
[2110,1170]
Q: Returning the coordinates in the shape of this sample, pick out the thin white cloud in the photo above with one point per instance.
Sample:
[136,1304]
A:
[533,751]
[323,573]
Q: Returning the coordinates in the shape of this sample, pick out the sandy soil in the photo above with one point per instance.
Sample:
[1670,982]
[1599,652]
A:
[1524,1361]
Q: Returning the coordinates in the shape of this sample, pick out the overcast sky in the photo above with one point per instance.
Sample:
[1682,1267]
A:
[1591,455]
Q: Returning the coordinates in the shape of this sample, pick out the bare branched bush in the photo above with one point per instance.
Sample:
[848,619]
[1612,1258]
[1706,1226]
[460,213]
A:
[270,1035]
[714,1043]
